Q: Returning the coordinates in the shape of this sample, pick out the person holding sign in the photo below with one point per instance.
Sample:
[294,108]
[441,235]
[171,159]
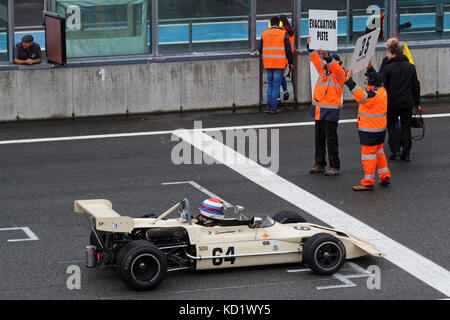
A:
[276,54]
[372,122]
[325,109]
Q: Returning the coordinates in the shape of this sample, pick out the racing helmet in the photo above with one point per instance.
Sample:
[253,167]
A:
[212,208]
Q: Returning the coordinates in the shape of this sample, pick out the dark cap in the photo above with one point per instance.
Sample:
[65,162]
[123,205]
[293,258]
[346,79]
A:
[336,57]
[375,78]
[27,38]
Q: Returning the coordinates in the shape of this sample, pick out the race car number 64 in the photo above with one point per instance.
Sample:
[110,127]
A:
[219,261]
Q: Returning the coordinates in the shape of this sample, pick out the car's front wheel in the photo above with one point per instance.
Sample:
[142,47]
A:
[324,254]
[141,265]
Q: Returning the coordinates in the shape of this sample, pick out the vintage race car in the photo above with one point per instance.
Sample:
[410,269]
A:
[143,250]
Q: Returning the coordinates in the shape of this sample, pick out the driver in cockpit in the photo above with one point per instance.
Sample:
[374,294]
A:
[211,212]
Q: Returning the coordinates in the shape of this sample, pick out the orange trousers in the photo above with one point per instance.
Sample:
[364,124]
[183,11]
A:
[371,158]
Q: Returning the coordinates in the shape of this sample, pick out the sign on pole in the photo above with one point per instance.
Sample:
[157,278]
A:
[364,50]
[323,29]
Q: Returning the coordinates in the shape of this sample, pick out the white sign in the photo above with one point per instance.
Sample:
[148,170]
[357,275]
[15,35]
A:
[323,29]
[364,50]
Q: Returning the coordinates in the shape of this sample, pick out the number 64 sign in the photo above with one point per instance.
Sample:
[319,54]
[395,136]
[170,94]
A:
[364,50]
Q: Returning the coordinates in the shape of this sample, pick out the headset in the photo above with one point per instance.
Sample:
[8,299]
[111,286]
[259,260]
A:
[280,24]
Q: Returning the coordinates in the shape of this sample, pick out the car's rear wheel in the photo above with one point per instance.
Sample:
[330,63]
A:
[288,217]
[324,254]
[141,265]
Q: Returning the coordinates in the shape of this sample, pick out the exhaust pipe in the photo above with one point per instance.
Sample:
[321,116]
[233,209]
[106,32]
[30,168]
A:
[91,257]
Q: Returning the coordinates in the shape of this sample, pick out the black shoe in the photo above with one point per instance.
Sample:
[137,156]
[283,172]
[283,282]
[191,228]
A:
[286,95]
[267,109]
[394,156]
[385,182]
[274,111]
[405,158]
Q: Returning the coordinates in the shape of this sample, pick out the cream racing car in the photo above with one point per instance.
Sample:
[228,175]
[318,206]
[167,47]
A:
[143,250]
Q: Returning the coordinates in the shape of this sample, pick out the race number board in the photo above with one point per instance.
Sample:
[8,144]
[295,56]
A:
[323,29]
[364,50]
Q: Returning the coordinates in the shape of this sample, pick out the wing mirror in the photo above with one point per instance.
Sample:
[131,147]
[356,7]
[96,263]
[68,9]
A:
[238,209]
[255,222]
[238,212]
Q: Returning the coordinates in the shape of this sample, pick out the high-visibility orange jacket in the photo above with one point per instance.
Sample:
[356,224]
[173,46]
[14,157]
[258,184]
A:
[327,98]
[372,113]
[275,53]
[291,34]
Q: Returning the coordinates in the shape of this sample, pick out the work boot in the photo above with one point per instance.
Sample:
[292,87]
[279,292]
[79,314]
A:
[332,172]
[285,95]
[394,156]
[405,158]
[362,188]
[317,169]
[386,182]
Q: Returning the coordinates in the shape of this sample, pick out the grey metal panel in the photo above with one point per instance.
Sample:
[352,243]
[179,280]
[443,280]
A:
[11,43]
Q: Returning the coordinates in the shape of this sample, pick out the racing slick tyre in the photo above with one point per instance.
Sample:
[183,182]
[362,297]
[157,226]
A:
[288,217]
[141,265]
[324,254]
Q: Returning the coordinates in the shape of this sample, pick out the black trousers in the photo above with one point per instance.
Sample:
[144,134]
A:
[399,135]
[327,138]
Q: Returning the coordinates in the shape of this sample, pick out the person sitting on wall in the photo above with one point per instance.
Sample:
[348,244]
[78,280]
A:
[27,51]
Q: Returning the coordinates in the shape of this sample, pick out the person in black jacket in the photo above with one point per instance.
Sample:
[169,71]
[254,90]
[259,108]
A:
[403,89]
[291,33]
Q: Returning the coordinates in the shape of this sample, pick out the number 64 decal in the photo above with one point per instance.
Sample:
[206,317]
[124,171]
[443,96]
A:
[219,261]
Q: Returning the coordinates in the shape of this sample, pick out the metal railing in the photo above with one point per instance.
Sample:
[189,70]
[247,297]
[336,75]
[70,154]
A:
[394,11]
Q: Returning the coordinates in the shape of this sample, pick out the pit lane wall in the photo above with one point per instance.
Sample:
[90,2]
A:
[119,89]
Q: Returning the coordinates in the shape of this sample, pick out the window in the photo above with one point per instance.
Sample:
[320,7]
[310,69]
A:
[354,18]
[423,20]
[105,27]
[203,25]
[4,57]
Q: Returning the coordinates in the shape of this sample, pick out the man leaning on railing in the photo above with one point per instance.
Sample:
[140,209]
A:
[27,52]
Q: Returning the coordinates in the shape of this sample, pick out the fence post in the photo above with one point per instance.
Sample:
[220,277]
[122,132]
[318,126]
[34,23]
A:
[392,18]
[252,26]
[11,42]
[154,28]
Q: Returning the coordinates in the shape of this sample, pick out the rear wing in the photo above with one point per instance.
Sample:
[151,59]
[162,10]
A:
[105,218]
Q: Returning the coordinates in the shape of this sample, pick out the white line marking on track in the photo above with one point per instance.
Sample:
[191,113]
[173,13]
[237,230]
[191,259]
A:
[155,133]
[405,258]
[31,236]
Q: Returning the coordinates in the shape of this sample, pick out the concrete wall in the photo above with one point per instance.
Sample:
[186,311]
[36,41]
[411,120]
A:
[43,93]
[134,88]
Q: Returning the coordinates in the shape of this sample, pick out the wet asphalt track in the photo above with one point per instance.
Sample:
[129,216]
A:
[40,181]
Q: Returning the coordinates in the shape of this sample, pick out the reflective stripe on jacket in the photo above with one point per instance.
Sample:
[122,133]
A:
[327,98]
[273,51]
